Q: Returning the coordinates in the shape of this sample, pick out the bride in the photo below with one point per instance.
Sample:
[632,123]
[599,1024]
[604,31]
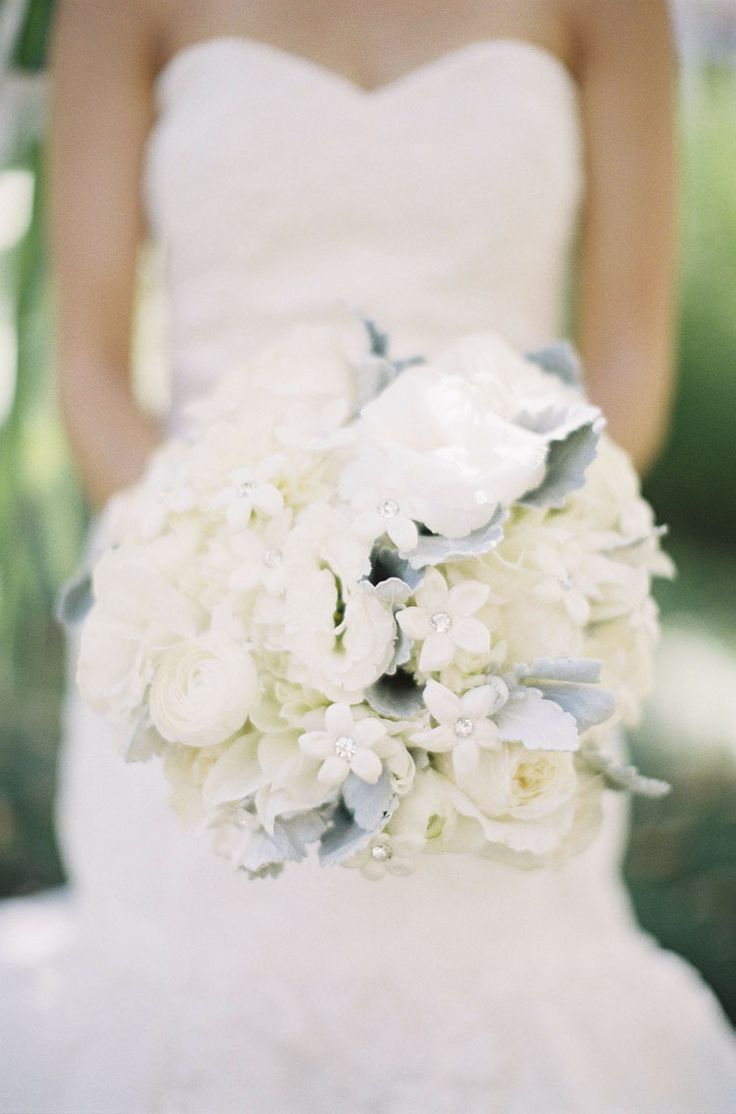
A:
[434,165]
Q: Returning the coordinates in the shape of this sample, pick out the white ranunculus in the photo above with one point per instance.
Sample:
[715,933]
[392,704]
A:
[137,614]
[203,690]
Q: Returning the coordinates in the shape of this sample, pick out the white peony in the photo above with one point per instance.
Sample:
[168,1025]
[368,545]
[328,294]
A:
[202,690]
[447,461]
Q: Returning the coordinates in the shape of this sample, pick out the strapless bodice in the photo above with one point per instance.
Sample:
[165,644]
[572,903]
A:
[441,203]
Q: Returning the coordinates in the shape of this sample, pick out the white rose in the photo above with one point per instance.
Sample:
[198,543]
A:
[203,690]
[524,800]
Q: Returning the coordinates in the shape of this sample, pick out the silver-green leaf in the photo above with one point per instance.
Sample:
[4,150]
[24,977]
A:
[396,696]
[625,777]
[567,462]
[561,360]
[75,599]
[434,549]
[370,805]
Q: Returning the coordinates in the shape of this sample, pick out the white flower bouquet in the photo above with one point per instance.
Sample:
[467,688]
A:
[385,608]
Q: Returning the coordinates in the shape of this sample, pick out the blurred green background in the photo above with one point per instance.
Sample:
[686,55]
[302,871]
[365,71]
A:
[681,865]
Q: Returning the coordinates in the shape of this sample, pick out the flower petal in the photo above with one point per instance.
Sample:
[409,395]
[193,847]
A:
[471,635]
[537,723]
[333,770]
[465,759]
[438,739]
[478,702]
[444,705]
[339,719]
[316,744]
[403,533]
[368,731]
[368,524]
[466,598]
[414,621]
[367,765]
[433,592]
[438,650]
[268,499]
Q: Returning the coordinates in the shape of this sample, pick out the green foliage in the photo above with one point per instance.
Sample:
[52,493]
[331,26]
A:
[694,484]
[31,45]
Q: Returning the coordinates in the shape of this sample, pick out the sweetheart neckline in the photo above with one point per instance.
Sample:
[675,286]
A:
[386,88]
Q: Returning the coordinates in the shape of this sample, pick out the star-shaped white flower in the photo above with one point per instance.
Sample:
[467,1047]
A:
[443,622]
[392,854]
[260,556]
[464,723]
[250,489]
[380,513]
[348,744]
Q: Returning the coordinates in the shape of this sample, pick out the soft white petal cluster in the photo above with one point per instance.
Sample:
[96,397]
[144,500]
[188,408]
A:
[378,628]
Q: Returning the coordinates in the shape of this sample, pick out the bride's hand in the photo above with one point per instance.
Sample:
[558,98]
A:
[103,63]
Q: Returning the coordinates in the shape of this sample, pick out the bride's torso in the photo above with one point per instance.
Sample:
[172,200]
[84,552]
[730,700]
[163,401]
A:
[444,202]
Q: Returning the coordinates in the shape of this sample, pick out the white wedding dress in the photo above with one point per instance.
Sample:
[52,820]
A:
[444,202]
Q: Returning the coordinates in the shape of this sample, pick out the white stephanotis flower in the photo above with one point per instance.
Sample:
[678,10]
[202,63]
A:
[346,744]
[378,513]
[260,556]
[464,723]
[202,690]
[250,489]
[442,620]
[392,854]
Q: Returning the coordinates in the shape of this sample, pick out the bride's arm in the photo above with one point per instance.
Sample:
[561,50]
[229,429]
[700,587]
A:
[625,306]
[102,69]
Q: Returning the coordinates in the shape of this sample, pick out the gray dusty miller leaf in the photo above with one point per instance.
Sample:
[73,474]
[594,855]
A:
[559,359]
[567,462]
[625,778]
[572,684]
[435,549]
[75,599]
[396,696]
[387,565]
[370,805]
